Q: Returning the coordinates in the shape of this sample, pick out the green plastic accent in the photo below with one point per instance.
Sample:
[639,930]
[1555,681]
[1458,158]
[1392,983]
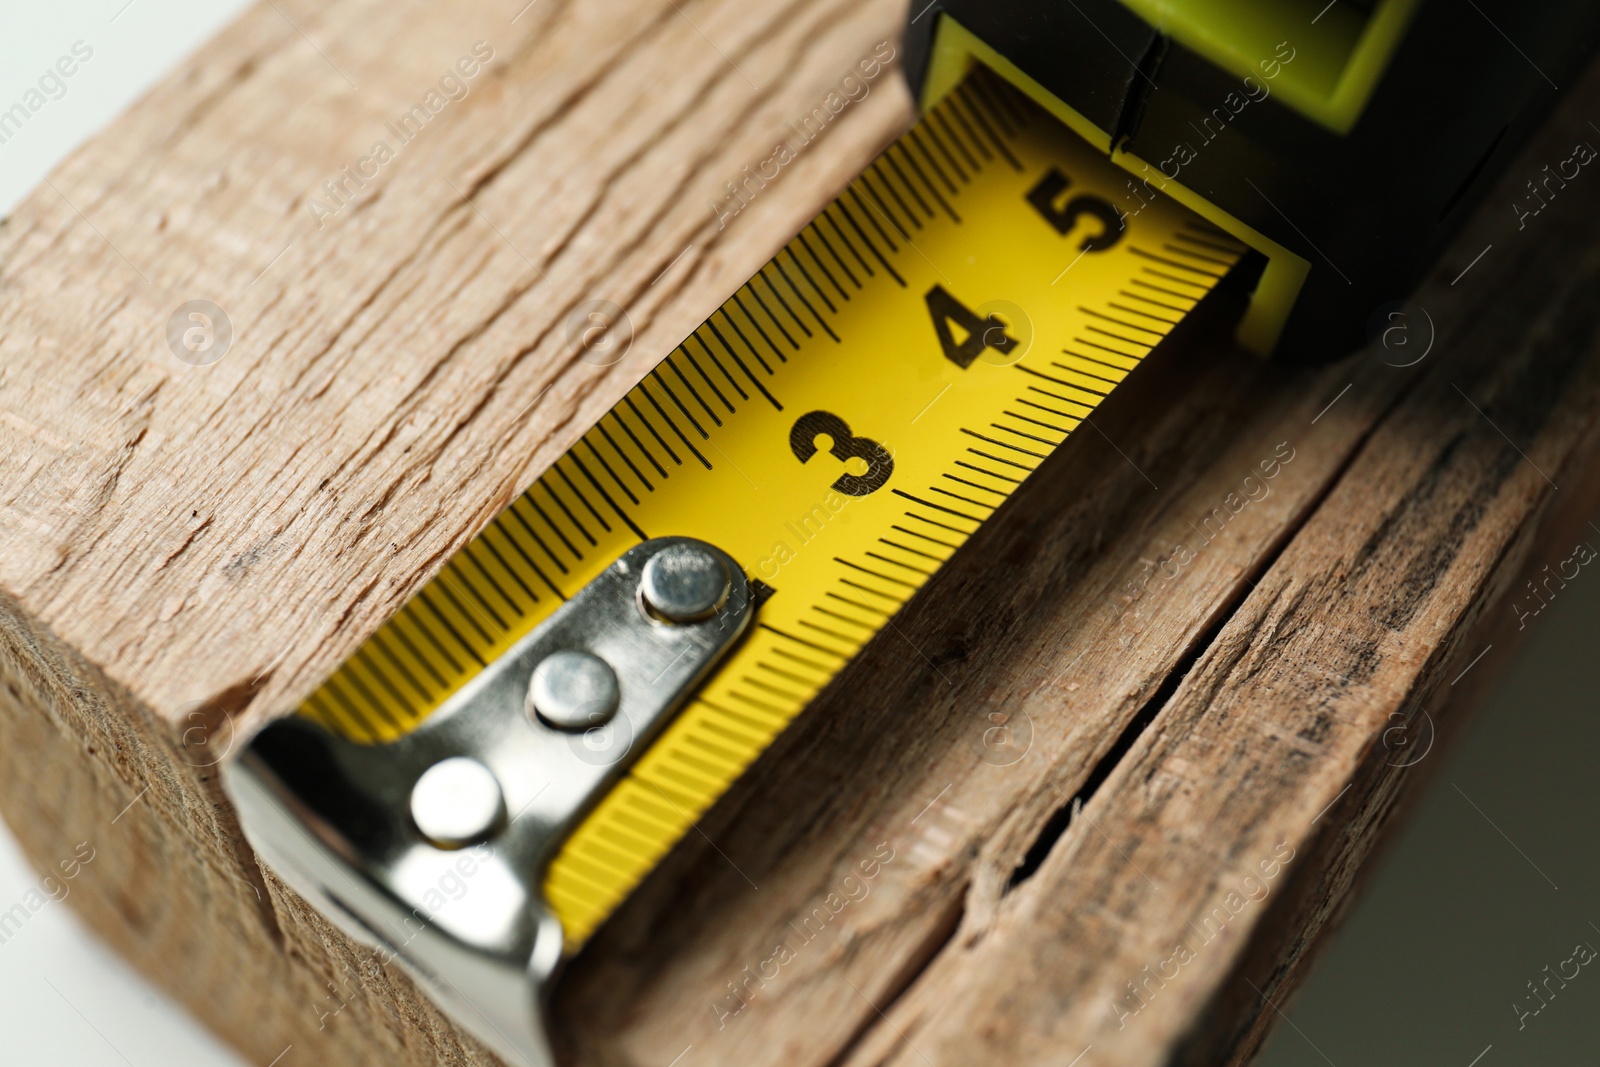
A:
[1337,59]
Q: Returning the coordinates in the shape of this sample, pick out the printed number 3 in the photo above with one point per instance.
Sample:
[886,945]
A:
[846,446]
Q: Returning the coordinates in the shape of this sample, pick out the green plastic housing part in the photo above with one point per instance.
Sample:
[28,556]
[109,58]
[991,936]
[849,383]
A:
[1345,141]
[956,48]
[1336,70]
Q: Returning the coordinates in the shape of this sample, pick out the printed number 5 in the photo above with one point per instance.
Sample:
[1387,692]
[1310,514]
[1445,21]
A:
[846,446]
[1043,197]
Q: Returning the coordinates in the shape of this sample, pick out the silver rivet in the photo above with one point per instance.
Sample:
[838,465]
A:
[684,582]
[573,691]
[457,802]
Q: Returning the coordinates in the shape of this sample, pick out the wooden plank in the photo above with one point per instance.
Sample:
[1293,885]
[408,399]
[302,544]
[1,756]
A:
[1183,894]
[191,549]
[1250,706]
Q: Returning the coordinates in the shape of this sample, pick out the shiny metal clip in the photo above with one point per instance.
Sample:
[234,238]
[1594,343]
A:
[494,781]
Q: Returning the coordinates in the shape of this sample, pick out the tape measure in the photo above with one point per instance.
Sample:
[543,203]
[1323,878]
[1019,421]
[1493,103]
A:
[840,426]
[577,685]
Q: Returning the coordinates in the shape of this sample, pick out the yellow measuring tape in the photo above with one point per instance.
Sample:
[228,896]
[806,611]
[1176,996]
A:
[840,426]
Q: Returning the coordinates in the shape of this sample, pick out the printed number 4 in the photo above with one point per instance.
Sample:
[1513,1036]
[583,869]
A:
[981,333]
[846,446]
[945,309]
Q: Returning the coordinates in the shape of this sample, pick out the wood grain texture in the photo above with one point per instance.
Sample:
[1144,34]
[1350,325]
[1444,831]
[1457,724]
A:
[190,549]
[1238,713]
[1074,744]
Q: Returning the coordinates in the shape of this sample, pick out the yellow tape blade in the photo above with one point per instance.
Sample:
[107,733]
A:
[840,426]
